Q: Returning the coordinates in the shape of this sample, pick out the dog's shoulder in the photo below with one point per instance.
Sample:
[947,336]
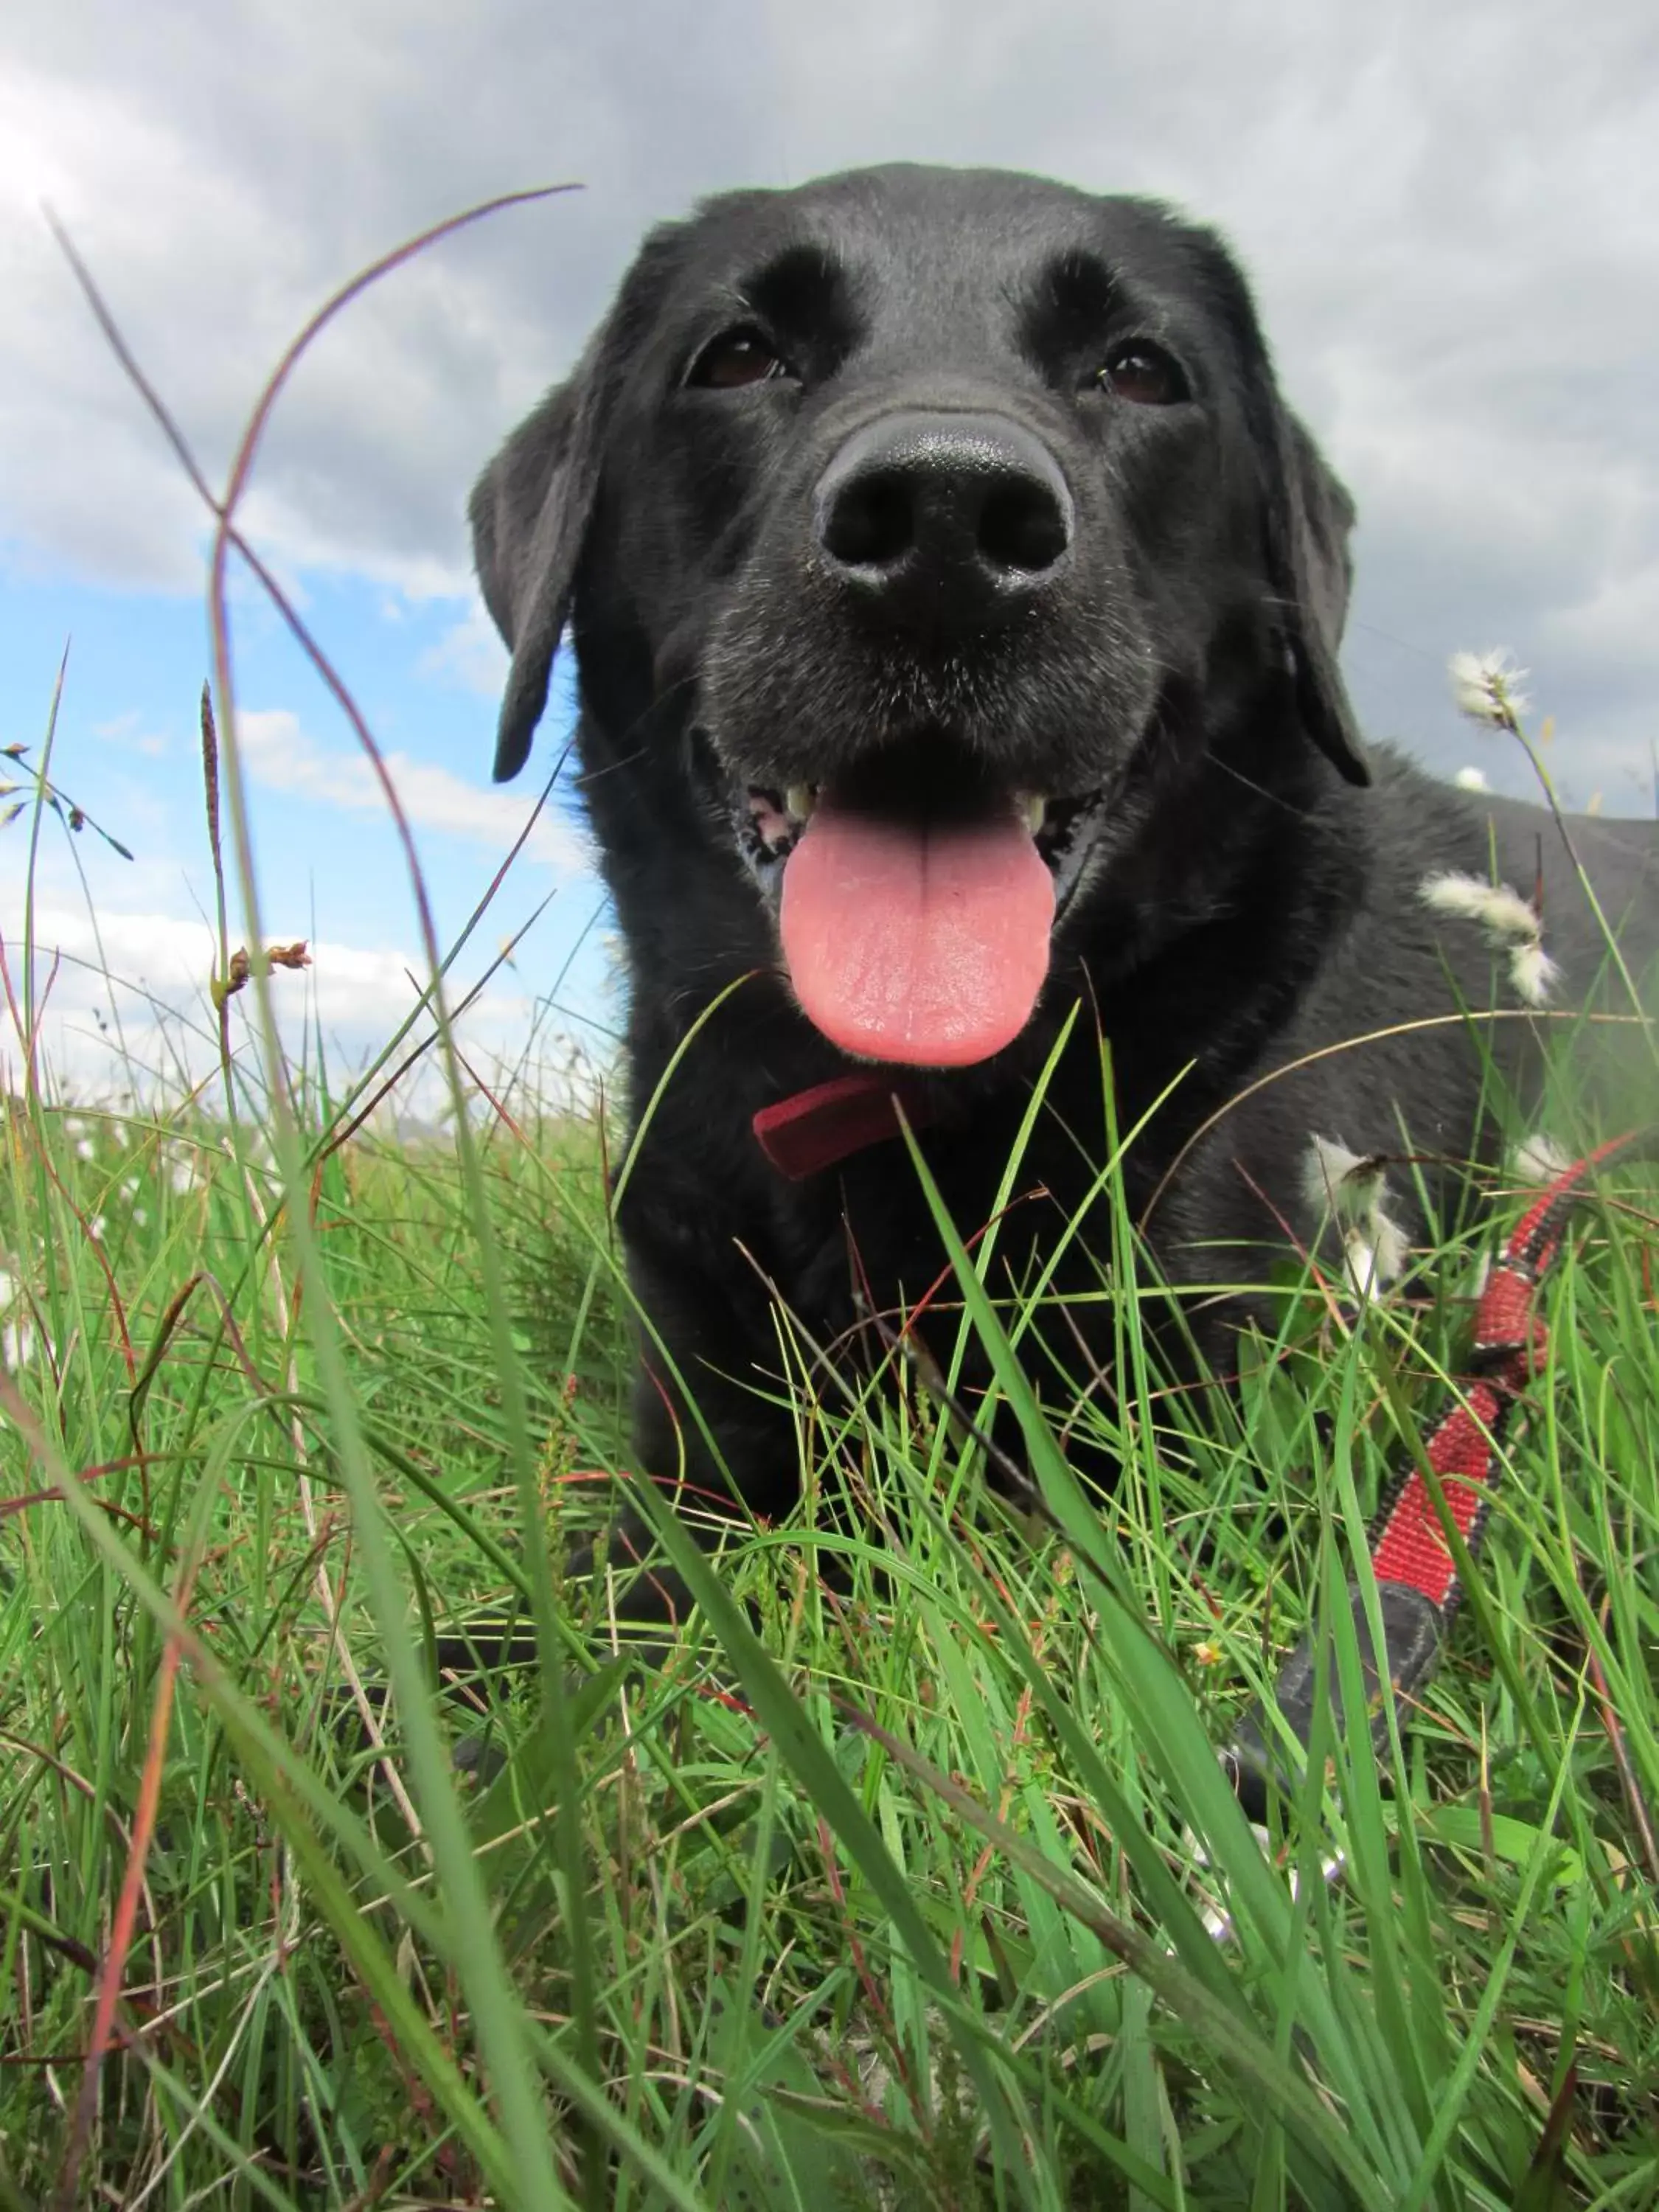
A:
[1413,1007]
[1585,875]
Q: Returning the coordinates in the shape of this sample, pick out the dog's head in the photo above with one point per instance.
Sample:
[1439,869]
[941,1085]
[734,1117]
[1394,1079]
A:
[940,526]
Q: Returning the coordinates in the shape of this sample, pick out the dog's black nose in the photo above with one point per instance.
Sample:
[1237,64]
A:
[949,511]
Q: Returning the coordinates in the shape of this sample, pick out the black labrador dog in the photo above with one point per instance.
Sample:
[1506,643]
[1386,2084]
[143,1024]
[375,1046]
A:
[956,605]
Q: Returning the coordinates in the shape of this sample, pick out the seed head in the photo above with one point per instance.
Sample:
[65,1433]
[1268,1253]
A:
[1486,686]
[1350,1189]
[1538,1159]
[1506,917]
[1533,974]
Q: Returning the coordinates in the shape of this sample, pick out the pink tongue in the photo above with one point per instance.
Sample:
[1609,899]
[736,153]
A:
[923,945]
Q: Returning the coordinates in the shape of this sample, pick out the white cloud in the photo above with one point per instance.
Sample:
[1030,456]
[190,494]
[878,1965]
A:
[129,1010]
[279,755]
[128,732]
[471,653]
[1620,623]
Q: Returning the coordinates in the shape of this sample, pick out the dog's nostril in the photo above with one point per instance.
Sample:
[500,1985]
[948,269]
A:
[1023,525]
[870,521]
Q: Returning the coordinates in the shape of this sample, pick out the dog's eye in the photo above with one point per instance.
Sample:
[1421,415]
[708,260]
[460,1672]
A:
[741,356]
[1144,373]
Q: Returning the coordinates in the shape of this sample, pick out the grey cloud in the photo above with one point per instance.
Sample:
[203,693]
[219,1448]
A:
[1451,216]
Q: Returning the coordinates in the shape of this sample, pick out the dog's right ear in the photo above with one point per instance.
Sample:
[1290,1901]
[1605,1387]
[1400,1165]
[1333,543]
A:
[530,512]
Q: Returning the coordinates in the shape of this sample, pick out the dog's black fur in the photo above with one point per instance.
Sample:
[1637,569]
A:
[1241,887]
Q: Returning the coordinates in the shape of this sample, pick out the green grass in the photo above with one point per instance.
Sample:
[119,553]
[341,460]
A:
[886,1896]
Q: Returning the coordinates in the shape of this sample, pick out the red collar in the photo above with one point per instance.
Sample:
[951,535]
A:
[821,1127]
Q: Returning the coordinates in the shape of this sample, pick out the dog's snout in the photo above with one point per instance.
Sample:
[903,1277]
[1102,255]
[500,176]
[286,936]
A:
[954,508]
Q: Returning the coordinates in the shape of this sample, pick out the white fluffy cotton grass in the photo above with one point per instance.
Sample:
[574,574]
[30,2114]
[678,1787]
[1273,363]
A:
[1512,925]
[1486,686]
[1539,1159]
[1533,974]
[1505,916]
[1352,1191]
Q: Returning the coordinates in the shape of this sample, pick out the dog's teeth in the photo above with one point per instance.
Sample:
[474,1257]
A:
[1032,807]
[799,800]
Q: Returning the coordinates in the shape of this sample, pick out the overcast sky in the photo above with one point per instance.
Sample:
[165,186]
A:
[1451,214]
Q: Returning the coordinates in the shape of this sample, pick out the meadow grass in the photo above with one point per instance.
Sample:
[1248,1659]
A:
[891,1887]
[882,1888]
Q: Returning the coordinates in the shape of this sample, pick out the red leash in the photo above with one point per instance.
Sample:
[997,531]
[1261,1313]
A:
[1416,1575]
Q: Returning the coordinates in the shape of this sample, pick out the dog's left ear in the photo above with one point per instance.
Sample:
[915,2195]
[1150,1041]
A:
[1311,518]
[530,512]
